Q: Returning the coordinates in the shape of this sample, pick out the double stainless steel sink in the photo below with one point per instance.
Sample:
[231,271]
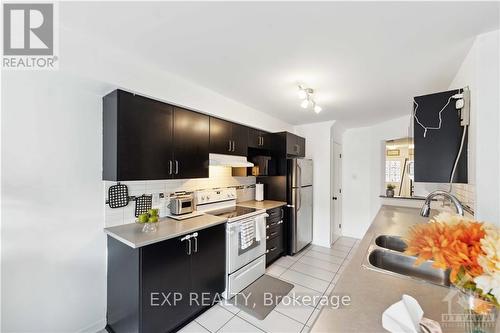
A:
[385,255]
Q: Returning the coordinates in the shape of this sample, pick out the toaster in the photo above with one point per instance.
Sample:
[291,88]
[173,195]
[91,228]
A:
[181,204]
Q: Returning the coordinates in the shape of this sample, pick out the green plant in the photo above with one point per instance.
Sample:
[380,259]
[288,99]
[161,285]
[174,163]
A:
[390,187]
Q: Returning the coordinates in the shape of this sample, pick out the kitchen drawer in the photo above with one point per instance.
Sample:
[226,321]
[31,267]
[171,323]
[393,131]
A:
[274,249]
[275,214]
[273,223]
[274,231]
[243,277]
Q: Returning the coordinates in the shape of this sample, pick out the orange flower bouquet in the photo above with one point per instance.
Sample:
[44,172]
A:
[469,249]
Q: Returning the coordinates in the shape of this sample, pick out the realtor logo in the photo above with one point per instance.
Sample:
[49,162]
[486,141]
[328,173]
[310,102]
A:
[29,36]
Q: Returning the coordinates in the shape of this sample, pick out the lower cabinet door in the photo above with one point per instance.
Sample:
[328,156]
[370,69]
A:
[208,265]
[165,286]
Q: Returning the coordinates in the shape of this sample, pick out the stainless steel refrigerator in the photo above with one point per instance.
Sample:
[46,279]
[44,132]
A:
[300,202]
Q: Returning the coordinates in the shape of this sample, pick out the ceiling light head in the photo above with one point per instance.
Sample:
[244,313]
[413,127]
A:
[307,97]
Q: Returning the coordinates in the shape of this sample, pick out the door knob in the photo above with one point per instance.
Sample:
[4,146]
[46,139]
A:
[334,198]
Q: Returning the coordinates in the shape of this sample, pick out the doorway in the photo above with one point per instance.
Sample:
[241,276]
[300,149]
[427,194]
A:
[336,191]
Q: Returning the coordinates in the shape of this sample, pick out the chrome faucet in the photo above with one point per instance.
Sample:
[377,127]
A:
[426,208]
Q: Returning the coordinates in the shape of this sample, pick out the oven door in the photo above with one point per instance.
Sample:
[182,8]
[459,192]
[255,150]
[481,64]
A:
[238,255]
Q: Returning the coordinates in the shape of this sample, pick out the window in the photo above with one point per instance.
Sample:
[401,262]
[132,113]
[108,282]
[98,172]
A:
[392,171]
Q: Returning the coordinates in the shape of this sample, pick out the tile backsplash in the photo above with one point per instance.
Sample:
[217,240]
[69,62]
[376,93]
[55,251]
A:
[219,177]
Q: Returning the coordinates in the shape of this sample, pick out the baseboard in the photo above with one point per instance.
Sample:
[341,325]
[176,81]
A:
[95,327]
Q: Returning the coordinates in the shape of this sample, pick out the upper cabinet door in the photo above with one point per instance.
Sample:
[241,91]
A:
[240,140]
[301,146]
[191,144]
[137,137]
[292,148]
[258,139]
[254,138]
[220,136]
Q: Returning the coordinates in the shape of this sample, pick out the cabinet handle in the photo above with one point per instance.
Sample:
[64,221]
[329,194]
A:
[262,140]
[281,221]
[273,233]
[170,167]
[229,149]
[271,249]
[195,236]
[282,213]
[188,238]
[176,167]
[233,145]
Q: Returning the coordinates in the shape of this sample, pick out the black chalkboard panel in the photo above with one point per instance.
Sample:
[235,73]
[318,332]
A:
[435,154]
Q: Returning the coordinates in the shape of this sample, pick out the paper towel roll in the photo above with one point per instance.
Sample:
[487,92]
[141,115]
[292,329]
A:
[259,192]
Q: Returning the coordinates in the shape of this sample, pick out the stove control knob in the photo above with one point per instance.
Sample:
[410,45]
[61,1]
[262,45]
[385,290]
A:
[208,198]
[202,198]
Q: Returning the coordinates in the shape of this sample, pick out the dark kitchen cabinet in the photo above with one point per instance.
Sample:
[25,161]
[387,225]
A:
[142,282]
[259,139]
[220,136]
[145,139]
[240,139]
[275,234]
[208,264]
[137,137]
[228,138]
[289,145]
[191,144]
[162,265]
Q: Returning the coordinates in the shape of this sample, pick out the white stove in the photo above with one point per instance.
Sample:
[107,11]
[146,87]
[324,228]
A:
[245,237]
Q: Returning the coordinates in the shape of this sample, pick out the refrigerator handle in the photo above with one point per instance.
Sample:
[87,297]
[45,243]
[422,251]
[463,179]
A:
[299,176]
[299,189]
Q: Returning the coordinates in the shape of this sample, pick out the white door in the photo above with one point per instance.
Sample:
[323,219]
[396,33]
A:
[336,191]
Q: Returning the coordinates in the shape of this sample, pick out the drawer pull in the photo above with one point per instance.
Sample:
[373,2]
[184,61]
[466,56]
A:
[279,222]
[267,237]
[272,249]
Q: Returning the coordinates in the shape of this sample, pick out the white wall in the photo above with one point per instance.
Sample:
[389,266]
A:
[362,172]
[53,247]
[82,56]
[480,71]
[486,92]
[318,148]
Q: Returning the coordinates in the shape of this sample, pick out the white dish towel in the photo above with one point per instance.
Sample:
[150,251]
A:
[247,233]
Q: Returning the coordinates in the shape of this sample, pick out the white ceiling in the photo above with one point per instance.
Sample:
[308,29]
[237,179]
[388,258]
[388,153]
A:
[366,60]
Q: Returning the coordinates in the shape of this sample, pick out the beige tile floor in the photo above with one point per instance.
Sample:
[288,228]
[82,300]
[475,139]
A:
[313,271]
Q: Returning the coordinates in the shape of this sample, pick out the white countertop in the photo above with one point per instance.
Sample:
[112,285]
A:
[264,204]
[131,234]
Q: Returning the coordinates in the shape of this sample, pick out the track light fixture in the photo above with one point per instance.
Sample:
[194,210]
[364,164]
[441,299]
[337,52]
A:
[307,97]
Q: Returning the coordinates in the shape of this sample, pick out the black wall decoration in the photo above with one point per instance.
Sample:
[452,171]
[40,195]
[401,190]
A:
[436,152]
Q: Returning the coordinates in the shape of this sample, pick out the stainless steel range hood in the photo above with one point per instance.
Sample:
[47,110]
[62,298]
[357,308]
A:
[229,160]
